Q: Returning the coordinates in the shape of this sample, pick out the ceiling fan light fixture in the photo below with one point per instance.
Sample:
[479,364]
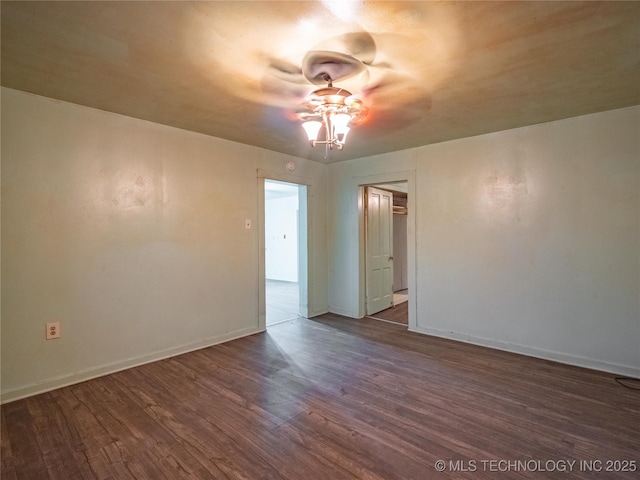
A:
[340,122]
[332,108]
[312,128]
[341,137]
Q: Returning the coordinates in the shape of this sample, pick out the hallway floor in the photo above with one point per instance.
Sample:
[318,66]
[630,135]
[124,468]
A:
[282,299]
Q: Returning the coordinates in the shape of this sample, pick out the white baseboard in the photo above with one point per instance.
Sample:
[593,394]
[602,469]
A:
[345,312]
[66,380]
[316,312]
[574,360]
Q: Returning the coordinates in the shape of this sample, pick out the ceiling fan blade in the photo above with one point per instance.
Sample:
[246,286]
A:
[286,70]
[279,92]
[395,100]
[282,83]
[360,45]
[391,86]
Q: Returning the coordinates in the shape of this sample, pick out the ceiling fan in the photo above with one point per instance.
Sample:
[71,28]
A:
[358,89]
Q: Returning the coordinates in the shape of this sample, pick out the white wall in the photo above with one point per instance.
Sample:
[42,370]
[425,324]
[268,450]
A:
[346,288]
[400,259]
[281,238]
[131,234]
[526,240]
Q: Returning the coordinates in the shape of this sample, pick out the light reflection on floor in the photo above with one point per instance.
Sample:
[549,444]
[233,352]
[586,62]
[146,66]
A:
[282,301]
[400,296]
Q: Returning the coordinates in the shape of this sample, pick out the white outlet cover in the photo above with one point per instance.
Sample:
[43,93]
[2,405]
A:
[53,330]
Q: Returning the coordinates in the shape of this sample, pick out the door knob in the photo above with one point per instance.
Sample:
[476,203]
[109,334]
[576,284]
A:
[390,258]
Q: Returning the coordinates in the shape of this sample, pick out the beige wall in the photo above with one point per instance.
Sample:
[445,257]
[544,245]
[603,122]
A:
[526,240]
[132,235]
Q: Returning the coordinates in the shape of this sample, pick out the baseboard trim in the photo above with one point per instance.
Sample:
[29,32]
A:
[67,380]
[372,317]
[534,352]
[345,312]
[316,312]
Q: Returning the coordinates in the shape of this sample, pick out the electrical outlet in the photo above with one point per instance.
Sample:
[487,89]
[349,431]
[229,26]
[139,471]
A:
[53,330]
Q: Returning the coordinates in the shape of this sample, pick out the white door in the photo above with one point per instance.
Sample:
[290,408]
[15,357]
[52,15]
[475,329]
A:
[379,248]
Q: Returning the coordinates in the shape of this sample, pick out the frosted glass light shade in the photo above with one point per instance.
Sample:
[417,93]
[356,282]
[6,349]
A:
[340,122]
[342,137]
[312,128]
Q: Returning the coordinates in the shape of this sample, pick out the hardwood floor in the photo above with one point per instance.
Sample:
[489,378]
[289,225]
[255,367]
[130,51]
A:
[397,314]
[328,398]
[282,301]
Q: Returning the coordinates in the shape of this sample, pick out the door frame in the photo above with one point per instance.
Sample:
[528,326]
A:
[408,176]
[303,243]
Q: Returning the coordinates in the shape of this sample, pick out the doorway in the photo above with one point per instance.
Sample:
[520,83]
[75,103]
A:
[386,252]
[285,239]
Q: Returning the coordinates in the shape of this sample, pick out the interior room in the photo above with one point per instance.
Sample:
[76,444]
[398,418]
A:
[138,143]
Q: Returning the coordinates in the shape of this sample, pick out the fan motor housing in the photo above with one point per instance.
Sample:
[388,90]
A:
[332,95]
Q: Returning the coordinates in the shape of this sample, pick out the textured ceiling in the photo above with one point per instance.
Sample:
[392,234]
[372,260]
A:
[434,71]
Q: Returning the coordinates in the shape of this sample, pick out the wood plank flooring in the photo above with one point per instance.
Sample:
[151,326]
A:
[282,301]
[328,398]
[398,314]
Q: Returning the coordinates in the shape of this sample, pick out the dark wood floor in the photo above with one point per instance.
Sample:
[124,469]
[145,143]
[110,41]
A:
[328,398]
[397,314]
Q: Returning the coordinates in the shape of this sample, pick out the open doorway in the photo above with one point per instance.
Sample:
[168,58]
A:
[285,237]
[386,252]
